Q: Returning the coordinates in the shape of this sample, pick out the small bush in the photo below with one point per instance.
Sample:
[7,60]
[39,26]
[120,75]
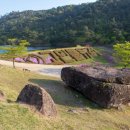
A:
[122,53]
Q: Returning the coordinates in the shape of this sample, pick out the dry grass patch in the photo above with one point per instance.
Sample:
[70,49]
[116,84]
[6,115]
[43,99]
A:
[88,116]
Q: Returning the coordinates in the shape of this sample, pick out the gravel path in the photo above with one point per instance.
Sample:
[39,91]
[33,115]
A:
[49,70]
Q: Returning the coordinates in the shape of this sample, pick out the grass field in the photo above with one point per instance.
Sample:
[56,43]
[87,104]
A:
[88,116]
[61,55]
[96,59]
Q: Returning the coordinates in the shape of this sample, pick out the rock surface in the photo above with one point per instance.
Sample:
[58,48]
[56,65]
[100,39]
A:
[39,98]
[105,86]
[107,74]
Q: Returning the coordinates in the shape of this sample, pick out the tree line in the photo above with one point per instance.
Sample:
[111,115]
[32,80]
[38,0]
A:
[104,22]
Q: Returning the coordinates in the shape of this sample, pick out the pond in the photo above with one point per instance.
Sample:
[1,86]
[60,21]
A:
[31,49]
[1,51]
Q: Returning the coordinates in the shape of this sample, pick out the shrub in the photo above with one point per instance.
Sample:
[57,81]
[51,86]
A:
[122,53]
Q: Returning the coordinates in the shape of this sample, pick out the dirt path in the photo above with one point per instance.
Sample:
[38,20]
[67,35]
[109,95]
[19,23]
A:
[107,54]
[49,70]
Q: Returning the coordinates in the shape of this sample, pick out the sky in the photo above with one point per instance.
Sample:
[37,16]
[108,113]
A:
[7,6]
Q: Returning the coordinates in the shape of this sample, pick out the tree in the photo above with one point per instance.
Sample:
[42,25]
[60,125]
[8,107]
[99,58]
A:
[122,53]
[101,22]
[16,48]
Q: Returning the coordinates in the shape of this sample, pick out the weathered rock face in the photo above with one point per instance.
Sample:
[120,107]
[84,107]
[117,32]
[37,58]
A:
[103,85]
[39,98]
[107,74]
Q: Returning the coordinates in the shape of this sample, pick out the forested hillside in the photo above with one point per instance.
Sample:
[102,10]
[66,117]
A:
[103,22]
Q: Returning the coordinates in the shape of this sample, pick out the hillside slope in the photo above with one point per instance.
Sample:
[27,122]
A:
[86,115]
[102,22]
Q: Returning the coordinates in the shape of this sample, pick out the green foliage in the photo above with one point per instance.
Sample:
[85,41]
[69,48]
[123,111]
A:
[103,22]
[16,48]
[122,53]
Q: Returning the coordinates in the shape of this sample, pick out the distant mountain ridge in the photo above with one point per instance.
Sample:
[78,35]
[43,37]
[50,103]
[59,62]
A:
[103,22]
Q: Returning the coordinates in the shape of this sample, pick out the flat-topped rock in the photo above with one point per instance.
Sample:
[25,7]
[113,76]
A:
[106,74]
[36,96]
[105,86]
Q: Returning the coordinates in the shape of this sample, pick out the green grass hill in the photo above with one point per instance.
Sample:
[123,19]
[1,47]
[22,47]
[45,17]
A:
[88,116]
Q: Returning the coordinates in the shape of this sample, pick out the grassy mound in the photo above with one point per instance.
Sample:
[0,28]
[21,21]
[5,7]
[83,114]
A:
[62,55]
[87,116]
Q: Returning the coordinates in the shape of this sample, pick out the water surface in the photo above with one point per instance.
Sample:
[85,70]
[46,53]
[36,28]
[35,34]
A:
[30,49]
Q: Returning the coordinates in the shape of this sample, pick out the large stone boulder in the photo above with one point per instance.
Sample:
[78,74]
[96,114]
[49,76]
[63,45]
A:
[36,96]
[105,86]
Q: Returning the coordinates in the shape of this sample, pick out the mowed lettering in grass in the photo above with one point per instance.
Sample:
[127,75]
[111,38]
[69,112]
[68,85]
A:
[59,56]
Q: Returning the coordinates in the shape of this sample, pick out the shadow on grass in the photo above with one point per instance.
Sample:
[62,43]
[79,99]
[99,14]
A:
[64,95]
